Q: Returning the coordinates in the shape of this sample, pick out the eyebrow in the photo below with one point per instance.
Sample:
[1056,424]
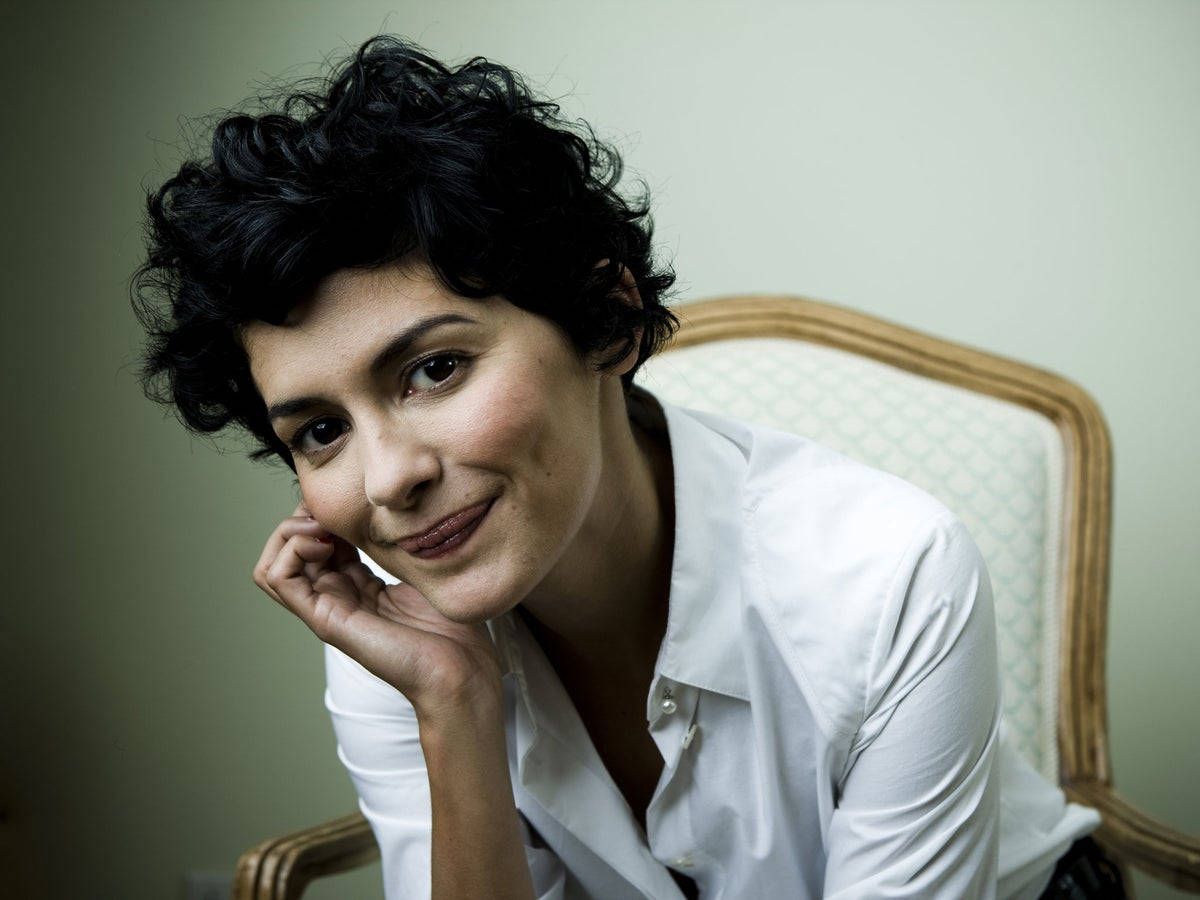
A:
[397,346]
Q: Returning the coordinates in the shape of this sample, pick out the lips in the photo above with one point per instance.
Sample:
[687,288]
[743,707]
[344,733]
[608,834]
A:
[446,534]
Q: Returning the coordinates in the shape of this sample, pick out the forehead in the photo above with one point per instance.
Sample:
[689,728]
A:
[346,316]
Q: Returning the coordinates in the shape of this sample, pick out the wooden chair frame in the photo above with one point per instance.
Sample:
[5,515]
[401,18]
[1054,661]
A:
[279,869]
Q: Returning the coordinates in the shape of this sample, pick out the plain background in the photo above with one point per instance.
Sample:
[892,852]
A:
[1021,177]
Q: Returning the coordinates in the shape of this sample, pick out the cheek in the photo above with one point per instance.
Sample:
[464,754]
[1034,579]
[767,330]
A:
[507,421]
[529,422]
[331,503]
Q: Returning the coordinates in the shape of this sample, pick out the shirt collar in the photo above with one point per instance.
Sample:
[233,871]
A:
[703,641]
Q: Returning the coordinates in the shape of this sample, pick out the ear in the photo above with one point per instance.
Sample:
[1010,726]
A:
[627,291]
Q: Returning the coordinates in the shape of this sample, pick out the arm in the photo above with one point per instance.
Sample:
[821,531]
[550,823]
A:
[918,805]
[449,674]
[477,846]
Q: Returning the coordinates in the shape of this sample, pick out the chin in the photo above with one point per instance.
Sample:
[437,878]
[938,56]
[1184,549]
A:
[472,613]
[472,607]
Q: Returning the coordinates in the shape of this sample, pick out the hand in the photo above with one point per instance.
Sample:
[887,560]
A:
[441,666]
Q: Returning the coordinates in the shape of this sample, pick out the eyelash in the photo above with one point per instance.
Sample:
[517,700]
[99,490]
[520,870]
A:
[296,442]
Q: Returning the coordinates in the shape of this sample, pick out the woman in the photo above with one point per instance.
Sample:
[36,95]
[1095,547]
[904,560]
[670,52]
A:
[580,643]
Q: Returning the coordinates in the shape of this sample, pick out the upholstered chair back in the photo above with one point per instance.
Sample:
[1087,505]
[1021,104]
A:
[996,465]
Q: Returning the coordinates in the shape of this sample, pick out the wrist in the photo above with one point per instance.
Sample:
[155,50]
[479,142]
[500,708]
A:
[471,721]
[461,687]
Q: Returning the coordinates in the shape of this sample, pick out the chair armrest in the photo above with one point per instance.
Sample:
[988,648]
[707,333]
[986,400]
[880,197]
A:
[280,868]
[1139,839]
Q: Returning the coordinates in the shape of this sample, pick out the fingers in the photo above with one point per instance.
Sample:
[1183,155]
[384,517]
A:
[294,527]
[344,554]
[301,561]
[290,576]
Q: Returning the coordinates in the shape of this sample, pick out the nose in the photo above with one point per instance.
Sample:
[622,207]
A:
[397,466]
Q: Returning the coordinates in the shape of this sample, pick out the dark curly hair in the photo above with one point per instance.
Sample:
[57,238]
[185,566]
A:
[393,155]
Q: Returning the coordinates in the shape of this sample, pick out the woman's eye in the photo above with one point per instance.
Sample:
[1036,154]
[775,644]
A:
[320,434]
[432,372]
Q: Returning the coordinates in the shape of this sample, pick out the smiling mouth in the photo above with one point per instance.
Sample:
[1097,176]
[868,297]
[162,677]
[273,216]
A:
[447,535]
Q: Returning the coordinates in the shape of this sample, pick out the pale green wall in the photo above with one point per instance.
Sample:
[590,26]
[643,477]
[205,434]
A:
[1021,177]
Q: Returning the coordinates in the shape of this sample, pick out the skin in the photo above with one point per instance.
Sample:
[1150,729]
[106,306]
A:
[499,409]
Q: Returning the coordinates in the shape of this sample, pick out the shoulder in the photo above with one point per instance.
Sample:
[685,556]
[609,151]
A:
[852,568]
[783,473]
[808,504]
[849,523]
[812,515]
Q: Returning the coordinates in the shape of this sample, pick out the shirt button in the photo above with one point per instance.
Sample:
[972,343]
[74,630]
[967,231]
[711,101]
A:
[669,706]
[682,862]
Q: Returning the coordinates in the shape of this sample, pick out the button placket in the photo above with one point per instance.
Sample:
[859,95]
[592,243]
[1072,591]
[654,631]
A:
[669,829]
[675,711]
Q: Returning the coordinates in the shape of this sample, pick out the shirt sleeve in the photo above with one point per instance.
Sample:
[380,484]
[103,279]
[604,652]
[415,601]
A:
[917,808]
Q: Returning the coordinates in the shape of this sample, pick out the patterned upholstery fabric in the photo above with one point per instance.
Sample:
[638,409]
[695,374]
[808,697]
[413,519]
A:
[996,465]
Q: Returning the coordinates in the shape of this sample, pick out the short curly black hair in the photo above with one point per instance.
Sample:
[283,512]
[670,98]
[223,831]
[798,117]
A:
[394,155]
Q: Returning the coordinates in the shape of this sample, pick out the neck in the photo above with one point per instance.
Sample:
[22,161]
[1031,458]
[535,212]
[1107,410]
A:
[605,604]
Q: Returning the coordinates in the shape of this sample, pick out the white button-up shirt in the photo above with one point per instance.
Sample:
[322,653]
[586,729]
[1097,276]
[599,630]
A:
[826,702]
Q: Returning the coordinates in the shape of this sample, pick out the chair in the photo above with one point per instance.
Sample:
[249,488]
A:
[1021,455]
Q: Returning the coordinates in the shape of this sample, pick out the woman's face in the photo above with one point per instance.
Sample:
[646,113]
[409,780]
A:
[458,442]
